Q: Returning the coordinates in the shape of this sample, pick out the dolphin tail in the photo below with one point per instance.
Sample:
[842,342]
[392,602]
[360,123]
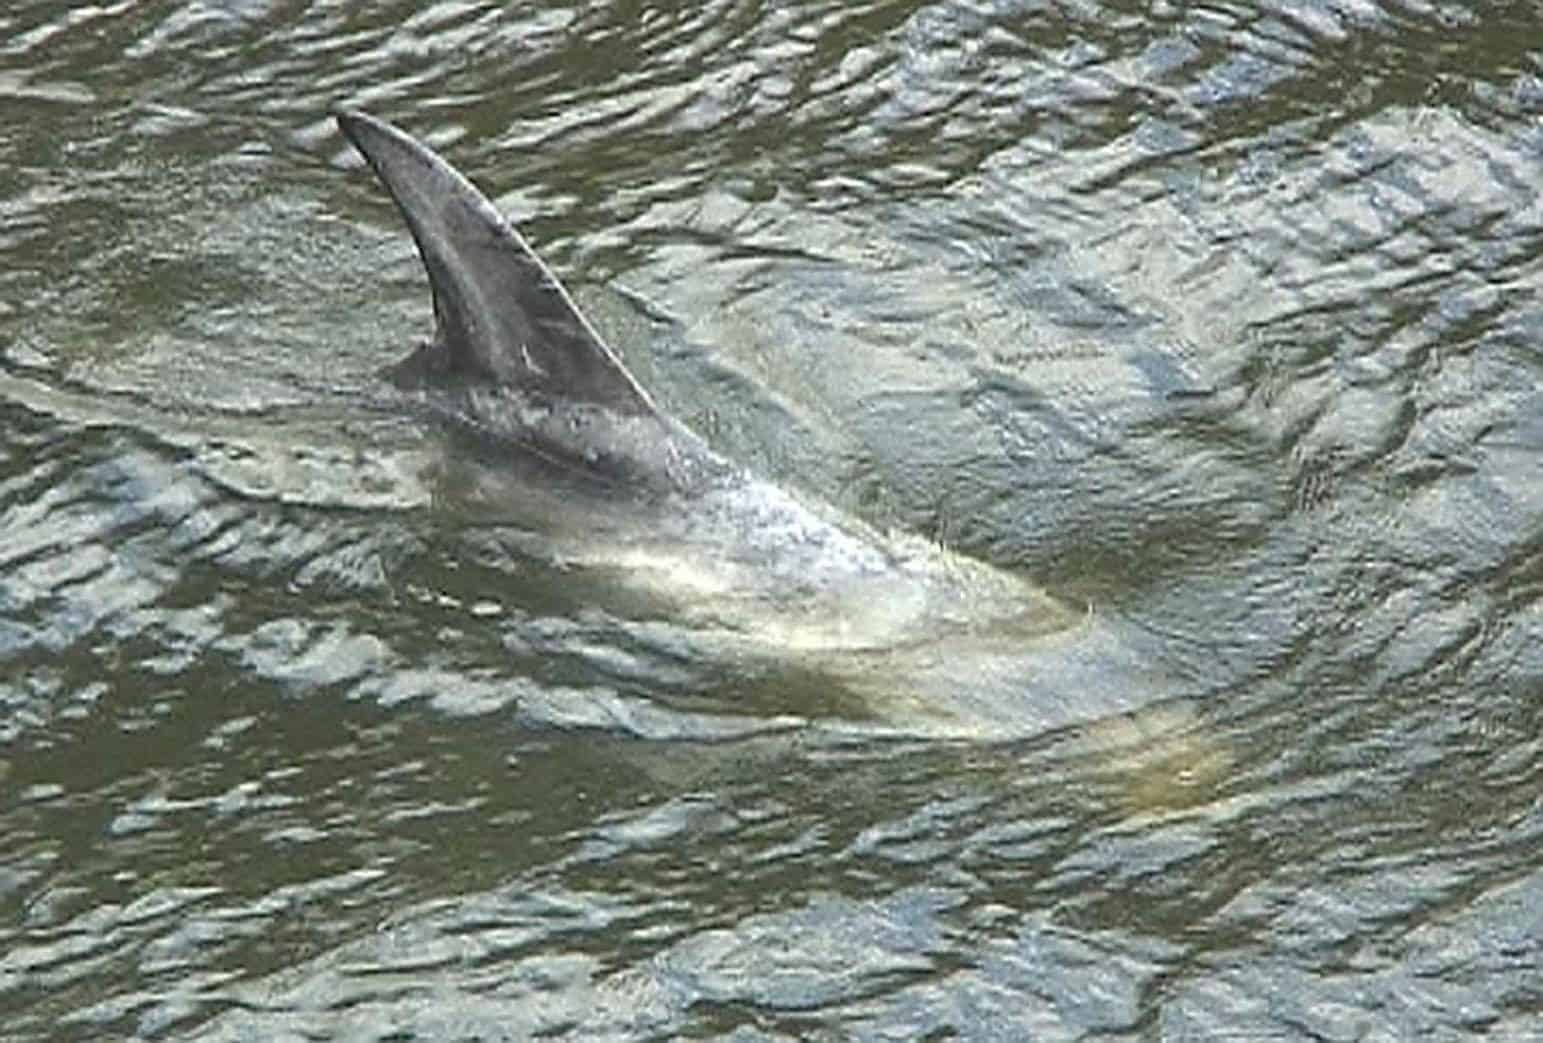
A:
[501,315]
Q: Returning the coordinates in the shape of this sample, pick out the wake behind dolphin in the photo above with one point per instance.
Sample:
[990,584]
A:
[614,485]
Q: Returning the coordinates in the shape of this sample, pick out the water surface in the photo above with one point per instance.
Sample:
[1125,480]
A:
[1220,321]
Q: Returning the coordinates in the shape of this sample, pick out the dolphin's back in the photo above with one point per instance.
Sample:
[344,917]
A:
[609,484]
[502,317]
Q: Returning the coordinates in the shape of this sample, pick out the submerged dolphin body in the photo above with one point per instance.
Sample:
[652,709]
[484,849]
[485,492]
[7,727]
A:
[623,488]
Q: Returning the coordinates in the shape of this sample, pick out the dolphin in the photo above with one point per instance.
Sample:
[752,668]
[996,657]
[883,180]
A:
[615,486]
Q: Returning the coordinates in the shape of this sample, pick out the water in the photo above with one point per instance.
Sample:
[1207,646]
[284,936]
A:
[1222,322]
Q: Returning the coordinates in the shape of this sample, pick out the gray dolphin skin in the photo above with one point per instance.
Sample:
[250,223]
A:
[615,486]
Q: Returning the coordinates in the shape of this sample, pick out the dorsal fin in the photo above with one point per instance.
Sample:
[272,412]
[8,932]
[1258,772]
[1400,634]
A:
[501,314]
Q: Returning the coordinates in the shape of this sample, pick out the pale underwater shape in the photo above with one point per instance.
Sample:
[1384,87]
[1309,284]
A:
[559,443]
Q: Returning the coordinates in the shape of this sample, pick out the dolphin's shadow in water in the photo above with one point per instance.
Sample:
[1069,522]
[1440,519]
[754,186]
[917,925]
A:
[556,437]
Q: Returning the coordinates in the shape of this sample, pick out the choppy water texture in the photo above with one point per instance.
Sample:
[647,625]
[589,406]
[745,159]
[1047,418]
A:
[1222,320]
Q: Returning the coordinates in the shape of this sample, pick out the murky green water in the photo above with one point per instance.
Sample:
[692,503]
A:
[1222,321]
